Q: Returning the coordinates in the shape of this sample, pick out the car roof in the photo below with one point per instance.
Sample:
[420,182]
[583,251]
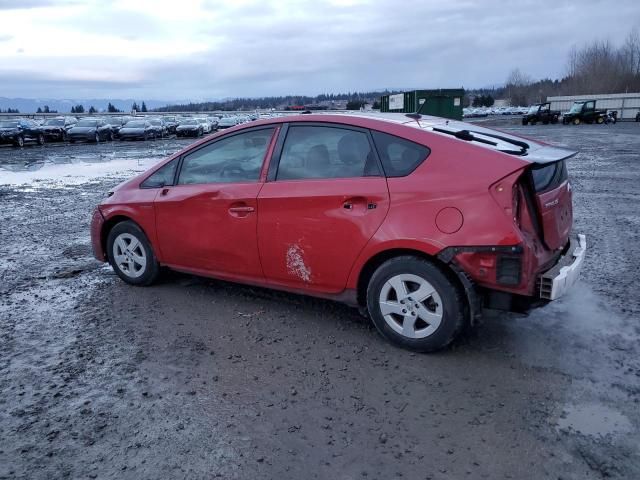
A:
[453,130]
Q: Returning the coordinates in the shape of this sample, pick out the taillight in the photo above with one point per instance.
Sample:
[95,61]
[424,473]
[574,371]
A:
[515,201]
[506,193]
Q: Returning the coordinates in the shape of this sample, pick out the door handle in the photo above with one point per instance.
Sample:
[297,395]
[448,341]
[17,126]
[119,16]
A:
[245,209]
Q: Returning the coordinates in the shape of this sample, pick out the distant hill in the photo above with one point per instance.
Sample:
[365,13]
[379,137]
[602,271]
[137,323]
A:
[31,105]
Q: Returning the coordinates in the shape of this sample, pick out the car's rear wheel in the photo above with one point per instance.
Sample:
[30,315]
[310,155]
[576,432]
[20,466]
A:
[19,141]
[600,120]
[414,304]
[40,139]
[131,255]
[576,121]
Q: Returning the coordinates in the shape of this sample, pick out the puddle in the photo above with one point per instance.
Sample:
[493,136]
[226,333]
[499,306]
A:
[594,420]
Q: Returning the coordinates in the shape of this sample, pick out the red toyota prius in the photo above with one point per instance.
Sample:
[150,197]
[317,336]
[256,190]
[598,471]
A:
[421,222]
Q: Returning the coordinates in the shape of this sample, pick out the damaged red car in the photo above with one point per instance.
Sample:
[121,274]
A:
[421,222]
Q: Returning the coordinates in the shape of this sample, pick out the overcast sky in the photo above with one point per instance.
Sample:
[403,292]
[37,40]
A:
[199,49]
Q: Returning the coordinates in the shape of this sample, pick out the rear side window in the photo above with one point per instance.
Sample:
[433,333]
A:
[550,176]
[161,177]
[399,157]
[316,151]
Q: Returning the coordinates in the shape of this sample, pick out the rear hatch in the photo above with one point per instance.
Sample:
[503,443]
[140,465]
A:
[551,189]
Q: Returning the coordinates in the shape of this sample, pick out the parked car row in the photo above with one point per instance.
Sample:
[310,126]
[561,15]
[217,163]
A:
[20,131]
[486,111]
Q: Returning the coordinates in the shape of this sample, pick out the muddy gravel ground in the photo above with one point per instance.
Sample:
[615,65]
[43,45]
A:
[196,378]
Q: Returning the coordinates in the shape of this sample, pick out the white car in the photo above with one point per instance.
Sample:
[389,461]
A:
[226,122]
[206,126]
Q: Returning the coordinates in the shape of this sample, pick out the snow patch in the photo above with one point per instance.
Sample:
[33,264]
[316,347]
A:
[62,174]
[296,265]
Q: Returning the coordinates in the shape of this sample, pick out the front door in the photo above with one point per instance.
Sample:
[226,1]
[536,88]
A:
[207,221]
[326,201]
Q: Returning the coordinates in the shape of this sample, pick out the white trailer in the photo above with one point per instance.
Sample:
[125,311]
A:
[626,104]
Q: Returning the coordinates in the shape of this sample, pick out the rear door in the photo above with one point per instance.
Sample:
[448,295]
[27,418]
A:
[325,198]
[207,221]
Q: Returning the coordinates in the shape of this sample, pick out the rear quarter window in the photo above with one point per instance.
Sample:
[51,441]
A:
[399,157]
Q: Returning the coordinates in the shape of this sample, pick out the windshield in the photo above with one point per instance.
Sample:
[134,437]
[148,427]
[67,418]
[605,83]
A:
[10,124]
[188,122]
[87,123]
[533,109]
[135,124]
[55,122]
[577,107]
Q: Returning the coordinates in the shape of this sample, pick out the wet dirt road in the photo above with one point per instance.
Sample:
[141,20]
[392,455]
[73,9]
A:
[195,378]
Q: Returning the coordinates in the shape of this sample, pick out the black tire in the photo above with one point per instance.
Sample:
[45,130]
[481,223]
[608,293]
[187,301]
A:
[525,121]
[40,139]
[96,139]
[109,137]
[152,267]
[576,121]
[72,141]
[453,306]
[64,136]
[599,120]
[19,141]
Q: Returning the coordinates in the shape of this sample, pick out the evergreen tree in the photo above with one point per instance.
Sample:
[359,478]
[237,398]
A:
[135,107]
[46,109]
[92,109]
[143,108]
[39,110]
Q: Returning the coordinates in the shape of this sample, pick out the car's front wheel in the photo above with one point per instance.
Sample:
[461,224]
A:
[414,304]
[131,255]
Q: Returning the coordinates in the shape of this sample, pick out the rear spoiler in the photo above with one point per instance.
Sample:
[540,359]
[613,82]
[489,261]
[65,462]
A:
[528,150]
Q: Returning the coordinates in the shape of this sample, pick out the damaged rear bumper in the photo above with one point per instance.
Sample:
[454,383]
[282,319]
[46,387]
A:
[557,281]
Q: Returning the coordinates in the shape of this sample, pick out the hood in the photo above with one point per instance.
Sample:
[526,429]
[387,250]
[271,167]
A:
[132,130]
[188,127]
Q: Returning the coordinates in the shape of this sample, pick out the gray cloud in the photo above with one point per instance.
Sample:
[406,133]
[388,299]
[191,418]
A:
[26,4]
[316,47]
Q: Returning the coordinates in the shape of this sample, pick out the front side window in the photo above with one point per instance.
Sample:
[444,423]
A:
[162,177]
[399,157]
[326,152]
[237,158]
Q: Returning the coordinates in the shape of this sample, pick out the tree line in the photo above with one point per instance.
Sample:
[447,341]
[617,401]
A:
[599,67]
[352,98]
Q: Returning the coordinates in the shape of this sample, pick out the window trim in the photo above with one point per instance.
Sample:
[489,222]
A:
[217,139]
[274,165]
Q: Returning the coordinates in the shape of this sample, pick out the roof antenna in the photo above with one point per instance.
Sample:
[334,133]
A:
[414,116]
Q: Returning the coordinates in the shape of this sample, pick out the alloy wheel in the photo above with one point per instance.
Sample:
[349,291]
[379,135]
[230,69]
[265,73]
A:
[411,306]
[129,255]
